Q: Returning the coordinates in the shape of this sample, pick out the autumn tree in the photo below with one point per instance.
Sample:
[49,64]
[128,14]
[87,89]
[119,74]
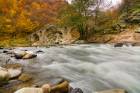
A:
[77,15]
[24,24]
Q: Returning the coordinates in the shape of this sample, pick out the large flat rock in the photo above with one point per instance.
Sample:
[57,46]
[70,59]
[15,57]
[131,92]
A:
[30,90]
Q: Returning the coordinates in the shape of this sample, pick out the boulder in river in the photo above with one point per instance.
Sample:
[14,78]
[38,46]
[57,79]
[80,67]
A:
[30,90]
[19,55]
[25,55]
[4,75]
[118,45]
[113,91]
[46,88]
[39,51]
[14,70]
[29,56]
[63,87]
[121,44]
[76,90]
[8,51]
[25,77]
[1,48]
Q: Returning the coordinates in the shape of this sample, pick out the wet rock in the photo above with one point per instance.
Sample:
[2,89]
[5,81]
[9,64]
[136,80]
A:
[19,55]
[29,56]
[14,70]
[25,55]
[61,88]
[118,45]
[1,48]
[25,77]
[30,90]
[121,44]
[39,51]
[113,91]
[4,75]
[76,90]
[8,51]
[46,88]
[5,51]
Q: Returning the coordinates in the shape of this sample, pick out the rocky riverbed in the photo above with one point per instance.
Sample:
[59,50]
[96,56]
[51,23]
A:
[92,68]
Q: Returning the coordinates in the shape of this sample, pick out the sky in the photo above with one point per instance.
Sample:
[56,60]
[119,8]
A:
[112,4]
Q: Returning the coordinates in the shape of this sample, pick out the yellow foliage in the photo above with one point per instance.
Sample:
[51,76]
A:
[12,12]
[7,20]
[25,24]
[36,5]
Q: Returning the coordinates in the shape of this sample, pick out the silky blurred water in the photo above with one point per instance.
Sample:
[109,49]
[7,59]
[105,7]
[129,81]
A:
[90,67]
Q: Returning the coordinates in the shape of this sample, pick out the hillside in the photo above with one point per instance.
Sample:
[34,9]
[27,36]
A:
[20,19]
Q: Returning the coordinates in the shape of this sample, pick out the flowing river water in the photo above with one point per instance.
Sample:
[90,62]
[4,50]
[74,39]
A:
[89,67]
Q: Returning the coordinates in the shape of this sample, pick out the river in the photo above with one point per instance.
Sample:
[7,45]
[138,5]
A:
[89,67]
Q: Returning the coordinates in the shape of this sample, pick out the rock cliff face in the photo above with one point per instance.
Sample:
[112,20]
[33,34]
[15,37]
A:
[128,36]
[51,35]
[132,32]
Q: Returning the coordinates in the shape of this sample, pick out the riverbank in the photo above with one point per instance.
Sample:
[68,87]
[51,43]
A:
[127,36]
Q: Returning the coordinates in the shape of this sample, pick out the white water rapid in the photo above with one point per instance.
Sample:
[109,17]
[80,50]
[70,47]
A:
[90,67]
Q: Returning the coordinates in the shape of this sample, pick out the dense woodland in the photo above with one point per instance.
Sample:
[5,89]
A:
[19,18]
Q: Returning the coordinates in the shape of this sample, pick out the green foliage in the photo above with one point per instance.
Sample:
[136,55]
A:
[87,21]
[69,17]
[77,15]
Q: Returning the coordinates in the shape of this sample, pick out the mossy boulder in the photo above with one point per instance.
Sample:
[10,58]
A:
[25,77]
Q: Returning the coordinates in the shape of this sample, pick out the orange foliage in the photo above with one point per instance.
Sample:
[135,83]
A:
[27,15]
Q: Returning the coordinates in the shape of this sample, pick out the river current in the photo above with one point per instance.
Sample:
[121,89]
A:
[89,67]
